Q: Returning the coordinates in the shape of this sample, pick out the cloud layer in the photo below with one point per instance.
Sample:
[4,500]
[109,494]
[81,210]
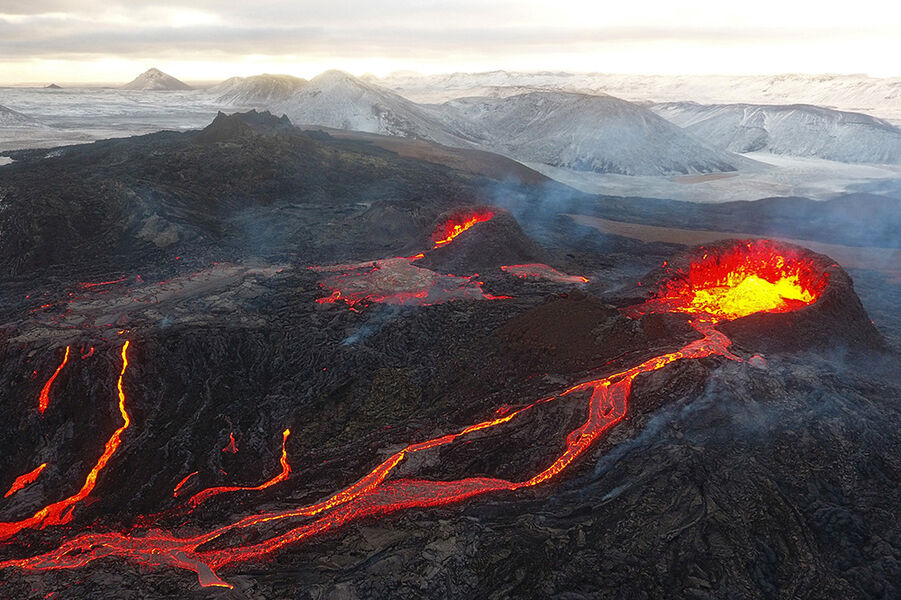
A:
[706,36]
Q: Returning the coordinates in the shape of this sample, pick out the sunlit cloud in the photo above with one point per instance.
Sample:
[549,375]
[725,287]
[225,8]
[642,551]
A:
[204,39]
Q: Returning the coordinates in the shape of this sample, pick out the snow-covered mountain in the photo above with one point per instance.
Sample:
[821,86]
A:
[794,130]
[336,99]
[154,79]
[12,118]
[258,90]
[880,97]
[597,133]
[584,132]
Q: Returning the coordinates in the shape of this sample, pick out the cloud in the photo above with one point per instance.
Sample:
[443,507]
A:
[497,33]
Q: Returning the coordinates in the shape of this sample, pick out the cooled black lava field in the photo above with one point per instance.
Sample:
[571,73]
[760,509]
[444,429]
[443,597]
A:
[259,362]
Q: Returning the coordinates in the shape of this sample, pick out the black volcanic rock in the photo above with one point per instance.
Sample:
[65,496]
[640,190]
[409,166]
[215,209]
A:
[227,128]
[248,183]
[576,331]
[724,479]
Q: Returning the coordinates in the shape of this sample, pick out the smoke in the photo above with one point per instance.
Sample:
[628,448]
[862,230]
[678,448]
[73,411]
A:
[746,407]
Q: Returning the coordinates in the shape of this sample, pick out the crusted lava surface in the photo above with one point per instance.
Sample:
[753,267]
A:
[689,468]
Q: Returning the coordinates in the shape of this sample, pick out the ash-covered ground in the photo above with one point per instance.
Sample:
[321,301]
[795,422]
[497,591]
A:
[772,478]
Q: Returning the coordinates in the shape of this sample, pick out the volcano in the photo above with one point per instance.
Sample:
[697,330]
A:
[336,368]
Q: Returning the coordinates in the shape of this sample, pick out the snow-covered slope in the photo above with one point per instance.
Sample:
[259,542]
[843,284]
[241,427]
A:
[154,79]
[880,97]
[584,132]
[336,99]
[12,118]
[258,90]
[794,130]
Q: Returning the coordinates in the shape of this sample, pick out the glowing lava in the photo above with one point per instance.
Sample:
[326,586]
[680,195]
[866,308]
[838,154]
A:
[199,497]
[44,397]
[375,494]
[231,446]
[749,278]
[60,513]
[26,479]
[446,232]
[182,483]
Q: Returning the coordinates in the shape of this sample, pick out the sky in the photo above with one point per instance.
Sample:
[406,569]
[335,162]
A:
[67,41]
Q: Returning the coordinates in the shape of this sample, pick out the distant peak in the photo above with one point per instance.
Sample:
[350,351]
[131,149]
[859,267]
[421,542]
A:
[154,79]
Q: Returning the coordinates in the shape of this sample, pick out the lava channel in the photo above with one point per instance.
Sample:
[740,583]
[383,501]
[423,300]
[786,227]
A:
[60,513]
[44,397]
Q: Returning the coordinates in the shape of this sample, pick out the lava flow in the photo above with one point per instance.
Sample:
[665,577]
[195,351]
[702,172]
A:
[376,494]
[199,497]
[60,513]
[398,281]
[44,398]
[26,479]
[446,232]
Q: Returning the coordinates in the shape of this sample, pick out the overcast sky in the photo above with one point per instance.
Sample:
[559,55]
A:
[114,40]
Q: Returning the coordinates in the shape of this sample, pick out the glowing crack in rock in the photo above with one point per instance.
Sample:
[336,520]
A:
[231,446]
[44,397]
[182,483]
[376,494]
[542,271]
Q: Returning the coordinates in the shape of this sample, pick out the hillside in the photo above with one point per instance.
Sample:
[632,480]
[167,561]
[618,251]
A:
[584,132]
[794,130]
[258,90]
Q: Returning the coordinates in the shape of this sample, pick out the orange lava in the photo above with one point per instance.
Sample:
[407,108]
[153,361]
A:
[446,232]
[751,277]
[181,483]
[231,446]
[44,397]
[60,513]
[26,479]
[199,497]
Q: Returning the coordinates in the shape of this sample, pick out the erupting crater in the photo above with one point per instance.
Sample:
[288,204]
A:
[746,278]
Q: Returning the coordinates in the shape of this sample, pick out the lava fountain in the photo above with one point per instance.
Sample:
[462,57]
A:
[747,278]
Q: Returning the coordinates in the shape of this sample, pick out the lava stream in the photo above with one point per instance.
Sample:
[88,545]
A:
[447,231]
[60,513]
[372,494]
[199,497]
[26,479]
[44,398]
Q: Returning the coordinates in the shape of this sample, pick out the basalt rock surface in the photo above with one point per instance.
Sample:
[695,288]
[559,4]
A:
[753,479]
